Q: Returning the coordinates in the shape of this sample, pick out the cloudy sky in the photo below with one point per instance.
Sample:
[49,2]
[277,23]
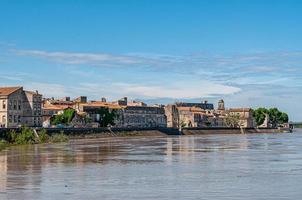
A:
[246,52]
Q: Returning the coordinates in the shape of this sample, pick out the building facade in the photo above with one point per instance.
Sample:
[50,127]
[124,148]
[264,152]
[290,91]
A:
[183,114]
[246,119]
[20,108]
[142,117]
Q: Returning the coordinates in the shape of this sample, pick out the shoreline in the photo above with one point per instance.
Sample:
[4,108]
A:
[77,134]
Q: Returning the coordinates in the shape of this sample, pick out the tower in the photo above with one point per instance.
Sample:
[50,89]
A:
[221,105]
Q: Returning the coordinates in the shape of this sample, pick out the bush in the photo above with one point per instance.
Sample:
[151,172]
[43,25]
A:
[43,136]
[11,136]
[26,136]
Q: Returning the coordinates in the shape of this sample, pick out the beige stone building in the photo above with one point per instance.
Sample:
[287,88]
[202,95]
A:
[204,115]
[190,115]
[129,114]
[246,119]
[19,107]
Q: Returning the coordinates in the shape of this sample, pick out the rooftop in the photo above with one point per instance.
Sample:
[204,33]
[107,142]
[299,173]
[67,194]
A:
[5,91]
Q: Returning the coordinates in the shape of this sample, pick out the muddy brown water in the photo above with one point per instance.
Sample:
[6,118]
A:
[251,166]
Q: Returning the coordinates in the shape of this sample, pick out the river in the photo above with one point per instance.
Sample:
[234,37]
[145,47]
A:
[251,166]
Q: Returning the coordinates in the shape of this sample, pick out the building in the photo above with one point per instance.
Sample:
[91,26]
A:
[221,106]
[204,105]
[92,109]
[246,119]
[32,109]
[142,117]
[49,111]
[183,114]
[128,114]
[19,107]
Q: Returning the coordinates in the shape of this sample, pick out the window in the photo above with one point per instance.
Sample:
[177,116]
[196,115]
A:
[15,105]
[19,119]
[3,119]
[10,119]
[15,119]
[19,105]
[10,103]
[4,104]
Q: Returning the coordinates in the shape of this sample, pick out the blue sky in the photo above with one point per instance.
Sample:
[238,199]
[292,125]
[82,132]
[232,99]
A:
[247,52]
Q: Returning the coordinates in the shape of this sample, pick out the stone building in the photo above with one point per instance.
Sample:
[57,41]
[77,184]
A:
[142,117]
[190,115]
[246,119]
[129,114]
[221,106]
[32,109]
[19,107]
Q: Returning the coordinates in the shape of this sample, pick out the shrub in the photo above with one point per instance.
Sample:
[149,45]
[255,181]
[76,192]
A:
[43,136]
[11,136]
[26,136]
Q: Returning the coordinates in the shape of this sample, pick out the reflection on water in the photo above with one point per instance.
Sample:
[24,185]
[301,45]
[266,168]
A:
[264,166]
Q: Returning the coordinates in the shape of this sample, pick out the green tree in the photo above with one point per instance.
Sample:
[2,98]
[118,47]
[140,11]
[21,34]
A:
[276,117]
[284,118]
[233,120]
[64,118]
[259,115]
[107,117]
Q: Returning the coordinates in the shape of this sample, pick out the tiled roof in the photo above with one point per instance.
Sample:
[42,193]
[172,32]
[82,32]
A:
[5,91]
[55,107]
[102,104]
[240,109]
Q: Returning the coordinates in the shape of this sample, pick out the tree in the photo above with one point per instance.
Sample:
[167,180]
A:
[107,117]
[233,120]
[259,115]
[284,118]
[276,117]
[64,118]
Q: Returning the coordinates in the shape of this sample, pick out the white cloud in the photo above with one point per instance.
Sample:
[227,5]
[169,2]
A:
[79,58]
[190,89]
[48,89]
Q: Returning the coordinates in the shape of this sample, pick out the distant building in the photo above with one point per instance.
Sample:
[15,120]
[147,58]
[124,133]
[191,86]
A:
[50,110]
[129,114]
[32,109]
[183,114]
[246,119]
[204,105]
[221,106]
[142,116]
[19,107]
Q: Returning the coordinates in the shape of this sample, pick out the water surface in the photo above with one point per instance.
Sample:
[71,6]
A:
[252,166]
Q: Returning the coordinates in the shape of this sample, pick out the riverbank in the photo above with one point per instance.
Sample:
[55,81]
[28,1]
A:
[26,136]
[21,136]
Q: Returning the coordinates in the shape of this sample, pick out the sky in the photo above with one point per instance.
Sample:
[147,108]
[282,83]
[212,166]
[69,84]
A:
[248,53]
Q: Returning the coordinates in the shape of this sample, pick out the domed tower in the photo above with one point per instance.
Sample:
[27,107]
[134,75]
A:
[221,105]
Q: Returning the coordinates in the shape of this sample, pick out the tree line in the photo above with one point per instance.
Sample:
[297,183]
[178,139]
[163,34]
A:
[276,117]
